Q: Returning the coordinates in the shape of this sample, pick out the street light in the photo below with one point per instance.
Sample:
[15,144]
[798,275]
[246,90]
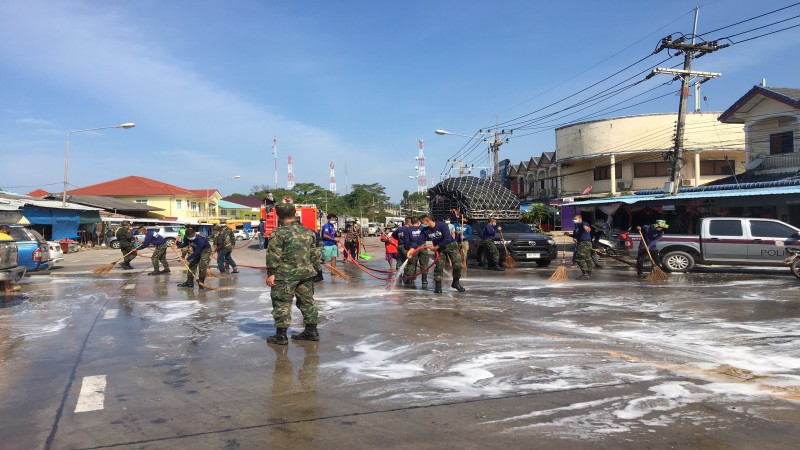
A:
[494,146]
[217,179]
[66,156]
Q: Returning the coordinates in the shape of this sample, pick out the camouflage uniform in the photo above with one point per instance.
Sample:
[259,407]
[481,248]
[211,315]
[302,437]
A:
[125,239]
[583,256]
[419,257]
[199,265]
[225,241]
[293,257]
[452,252]
[490,252]
[160,255]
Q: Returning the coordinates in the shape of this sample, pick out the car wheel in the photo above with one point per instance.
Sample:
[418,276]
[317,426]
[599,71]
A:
[170,242]
[678,261]
[543,262]
[239,238]
[795,268]
[115,245]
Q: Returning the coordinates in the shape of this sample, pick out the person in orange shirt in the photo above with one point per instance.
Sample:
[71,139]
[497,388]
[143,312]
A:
[391,249]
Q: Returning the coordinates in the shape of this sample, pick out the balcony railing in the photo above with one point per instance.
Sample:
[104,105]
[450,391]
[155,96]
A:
[783,161]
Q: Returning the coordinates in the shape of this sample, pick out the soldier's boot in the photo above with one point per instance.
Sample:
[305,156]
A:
[154,272]
[437,287]
[408,282]
[498,268]
[318,278]
[127,266]
[189,283]
[457,285]
[166,270]
[279,338]
[309,334]
[424,279]
[200,283]
[585,274]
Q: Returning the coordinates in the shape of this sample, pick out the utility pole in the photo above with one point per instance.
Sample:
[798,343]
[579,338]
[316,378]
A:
[690,51]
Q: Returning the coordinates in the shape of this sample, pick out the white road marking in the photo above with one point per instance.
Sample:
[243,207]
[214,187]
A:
[111,314]
[93,394]
[129,287]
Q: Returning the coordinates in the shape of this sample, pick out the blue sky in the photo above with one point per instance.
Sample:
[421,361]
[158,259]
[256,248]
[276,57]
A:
[208,84]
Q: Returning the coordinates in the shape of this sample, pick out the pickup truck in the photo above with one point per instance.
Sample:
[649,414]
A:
[33,250]
[10,270]
[724,241]
[524,245]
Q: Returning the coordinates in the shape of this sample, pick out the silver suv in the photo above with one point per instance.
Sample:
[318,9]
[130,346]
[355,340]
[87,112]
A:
[169,232]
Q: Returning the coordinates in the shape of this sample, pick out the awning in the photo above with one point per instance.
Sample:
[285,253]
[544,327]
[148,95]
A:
[90,217]
[658,198]
[65,222]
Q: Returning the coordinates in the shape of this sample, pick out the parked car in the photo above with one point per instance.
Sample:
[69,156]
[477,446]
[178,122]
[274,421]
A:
[56,253]
[723,241]
[10,270]
[242,235]
[32,249]
[170,233]
[372,229]
[523,245]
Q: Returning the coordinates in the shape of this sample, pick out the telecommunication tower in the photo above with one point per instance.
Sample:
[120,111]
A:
[275,157]
[290,175]
[332,186]
[422,181]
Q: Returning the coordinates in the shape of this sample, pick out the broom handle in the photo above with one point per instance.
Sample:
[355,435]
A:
[647,248]
[125,255]
[186,265]
[504,242]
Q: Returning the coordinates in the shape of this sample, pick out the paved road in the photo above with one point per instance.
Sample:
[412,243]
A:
[708,360]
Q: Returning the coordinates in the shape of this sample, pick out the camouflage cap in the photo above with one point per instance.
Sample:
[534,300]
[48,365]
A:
[285,209]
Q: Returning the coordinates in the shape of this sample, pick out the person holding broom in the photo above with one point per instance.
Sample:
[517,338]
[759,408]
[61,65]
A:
[293,259]
[652,234]
[198,260]
[125,239]
[583,245]
[487,244]
[152,237]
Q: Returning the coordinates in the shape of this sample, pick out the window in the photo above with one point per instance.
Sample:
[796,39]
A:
[178,204]
[764,228]
[725,228]
[604,172]
[194,206]
[141,201]
[651,169]
[717,167]
[781,143]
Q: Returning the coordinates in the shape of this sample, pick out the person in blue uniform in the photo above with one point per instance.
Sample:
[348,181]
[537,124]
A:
[413,239]
[399,234]
[152,237]
[489,248]
[652,234]
[582,235]
[199,259]
[447,248]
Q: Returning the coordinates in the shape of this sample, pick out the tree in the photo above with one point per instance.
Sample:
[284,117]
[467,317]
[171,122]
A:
[537,214]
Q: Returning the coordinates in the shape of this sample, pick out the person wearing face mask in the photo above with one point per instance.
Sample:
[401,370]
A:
[583,245]
[125,239]
[487,244]
[652,234]
[198,260]
[330,249]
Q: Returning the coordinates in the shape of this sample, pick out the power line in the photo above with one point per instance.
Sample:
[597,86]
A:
[748,20]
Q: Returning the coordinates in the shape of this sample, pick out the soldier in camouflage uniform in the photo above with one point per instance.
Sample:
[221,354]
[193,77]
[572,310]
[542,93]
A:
[447,248]
[583,245]
[125,239]
[293,259]
[198,260]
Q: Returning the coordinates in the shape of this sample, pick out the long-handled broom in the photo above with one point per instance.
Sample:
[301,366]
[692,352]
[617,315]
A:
[336,272]
[508,260]
[106,268]
[205,286]
[561,273]
[656,274]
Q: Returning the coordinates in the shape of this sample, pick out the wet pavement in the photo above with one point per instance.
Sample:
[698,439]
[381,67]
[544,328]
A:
[706,360]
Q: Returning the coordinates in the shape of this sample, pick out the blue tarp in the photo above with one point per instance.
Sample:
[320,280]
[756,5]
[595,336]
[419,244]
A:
[64,222]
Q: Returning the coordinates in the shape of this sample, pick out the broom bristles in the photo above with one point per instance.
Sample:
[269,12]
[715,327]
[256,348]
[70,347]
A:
[510,262]
[559,275]
[657,275]
[104,269]
[337,273]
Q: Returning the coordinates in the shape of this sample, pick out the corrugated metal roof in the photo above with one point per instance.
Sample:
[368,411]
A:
[631,199]
[15,203]
[231,205]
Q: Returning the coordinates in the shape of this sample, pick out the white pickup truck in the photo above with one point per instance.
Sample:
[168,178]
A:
[724,241]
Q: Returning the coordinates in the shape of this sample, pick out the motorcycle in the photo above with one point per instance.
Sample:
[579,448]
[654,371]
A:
[792,258]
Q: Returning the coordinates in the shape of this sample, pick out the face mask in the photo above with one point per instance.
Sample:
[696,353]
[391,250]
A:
[576,221]
[191,238]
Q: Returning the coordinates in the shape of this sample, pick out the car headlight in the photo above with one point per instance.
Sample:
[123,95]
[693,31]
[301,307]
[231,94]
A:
[551,241]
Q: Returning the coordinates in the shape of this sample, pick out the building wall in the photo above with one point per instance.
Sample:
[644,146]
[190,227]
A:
[170,208]
[766,118]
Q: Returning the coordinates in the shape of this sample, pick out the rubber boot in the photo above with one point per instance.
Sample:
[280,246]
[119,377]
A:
[309,334]
[189,283]
[127,266]
[154,272]
[437,287]
[279,338]
[498,268]
[424,279]
[200,284]
[457,286]
[166,270]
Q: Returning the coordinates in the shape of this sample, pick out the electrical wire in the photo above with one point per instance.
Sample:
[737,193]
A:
[748,20]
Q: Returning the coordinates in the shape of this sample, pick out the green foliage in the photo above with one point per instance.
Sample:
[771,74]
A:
[365,200]
[537,214]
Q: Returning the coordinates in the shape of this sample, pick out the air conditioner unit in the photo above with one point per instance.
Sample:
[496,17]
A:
[624,184]
[686,183]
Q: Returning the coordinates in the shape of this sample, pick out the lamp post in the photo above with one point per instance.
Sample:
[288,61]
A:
[66,156]
[217,179]
[494,146]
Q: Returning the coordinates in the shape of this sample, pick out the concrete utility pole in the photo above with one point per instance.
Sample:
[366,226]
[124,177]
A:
[494,147]
[690,51]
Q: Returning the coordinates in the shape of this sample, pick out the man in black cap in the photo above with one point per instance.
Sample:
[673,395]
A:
[125,239]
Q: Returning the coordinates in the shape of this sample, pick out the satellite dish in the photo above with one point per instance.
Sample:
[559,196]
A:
[755,163]
[587,190]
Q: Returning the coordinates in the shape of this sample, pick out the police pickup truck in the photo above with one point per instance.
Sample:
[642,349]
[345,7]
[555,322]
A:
[10,270]
[724,241]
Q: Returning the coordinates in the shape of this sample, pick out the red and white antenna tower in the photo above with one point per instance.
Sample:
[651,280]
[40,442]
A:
[422,181]
[290,175]
[332,186]
[275,157]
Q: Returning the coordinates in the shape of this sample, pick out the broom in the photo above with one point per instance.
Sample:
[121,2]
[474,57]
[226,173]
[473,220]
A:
[561,273]
[205,286]
[336,272]
[656,274]
[106,268]
[508,260]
